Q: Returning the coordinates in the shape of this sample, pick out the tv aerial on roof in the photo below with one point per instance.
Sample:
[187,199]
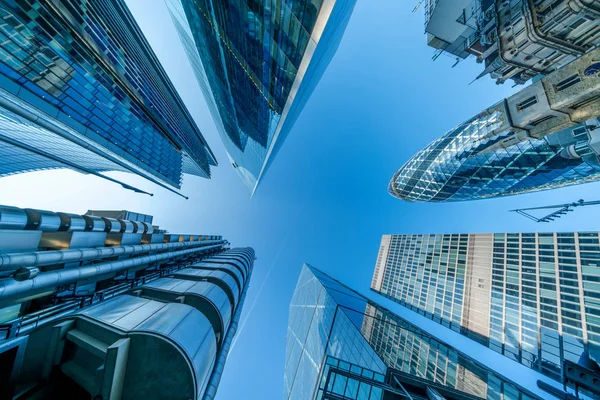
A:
[560,210]
[418,5]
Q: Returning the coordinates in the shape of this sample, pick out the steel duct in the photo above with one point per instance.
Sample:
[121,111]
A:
[11,289]
[215,378]
[42,258]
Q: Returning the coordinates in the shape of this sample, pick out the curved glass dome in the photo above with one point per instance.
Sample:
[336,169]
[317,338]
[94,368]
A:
[484,157]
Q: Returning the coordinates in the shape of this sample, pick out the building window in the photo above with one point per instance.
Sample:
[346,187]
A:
[567,83]
[462,18]
[525,104]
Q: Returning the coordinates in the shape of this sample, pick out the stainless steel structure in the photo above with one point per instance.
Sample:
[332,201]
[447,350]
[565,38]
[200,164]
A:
[99,307]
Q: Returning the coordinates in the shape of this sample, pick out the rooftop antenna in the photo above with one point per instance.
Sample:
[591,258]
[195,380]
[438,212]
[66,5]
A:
[418,5]
[561,209]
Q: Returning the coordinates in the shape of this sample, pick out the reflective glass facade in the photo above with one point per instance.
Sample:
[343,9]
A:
[542,137]
[317,327]
[84,72]
[340,343]
[406,348]
[27,146]
[257,64]
[534,297]
[465,164]
[340,378]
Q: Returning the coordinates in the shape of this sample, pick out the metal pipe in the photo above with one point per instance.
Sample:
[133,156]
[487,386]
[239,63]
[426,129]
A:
[49,310]
[580,7]
[94,223]
[31,319]
[144,227]
[113,225]
[42,220]
[532,19]
[71,222]
[11,289]
[575,204]
[215,377]
[42,258]
[12,218]
[26,328]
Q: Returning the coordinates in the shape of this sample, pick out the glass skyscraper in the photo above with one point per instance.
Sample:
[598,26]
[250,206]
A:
[106,305]
[544,136]
[81,88]
[257,64]
[340,345]
[534,297]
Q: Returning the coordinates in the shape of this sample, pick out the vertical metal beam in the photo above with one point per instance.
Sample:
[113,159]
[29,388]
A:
[520,298]
[215,378]
[580,285]
[538,299]
[55,349]
[504,296]
[558,302]
[114,369]
[12,353]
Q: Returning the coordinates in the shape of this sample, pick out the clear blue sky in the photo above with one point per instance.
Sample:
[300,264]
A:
[324,200]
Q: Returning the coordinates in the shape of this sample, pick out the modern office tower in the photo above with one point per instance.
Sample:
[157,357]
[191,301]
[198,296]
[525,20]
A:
[513,39]
[93,306]
[534,297]
[340,345]
[80,88]
[543,137]
[257,64]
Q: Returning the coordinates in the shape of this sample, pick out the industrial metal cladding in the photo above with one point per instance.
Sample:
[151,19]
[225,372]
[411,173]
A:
[533,297]
[84,91]
[107,305]
[340,344]
[255,100]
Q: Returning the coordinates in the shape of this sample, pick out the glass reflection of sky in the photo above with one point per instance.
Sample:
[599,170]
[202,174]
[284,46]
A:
[461,166]
[257,64]
[328,319]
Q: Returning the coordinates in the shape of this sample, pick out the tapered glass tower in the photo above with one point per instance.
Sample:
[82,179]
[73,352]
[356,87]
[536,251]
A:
[106,305]
[257,64]
[544,136]
[534,297]
[80,88]
[342,346]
